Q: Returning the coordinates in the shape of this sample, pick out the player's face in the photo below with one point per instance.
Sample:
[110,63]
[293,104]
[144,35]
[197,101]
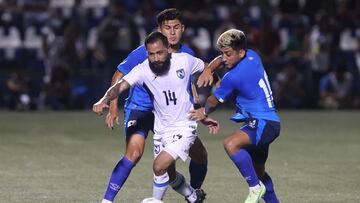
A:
[231,57]
[159,57]
[173,30]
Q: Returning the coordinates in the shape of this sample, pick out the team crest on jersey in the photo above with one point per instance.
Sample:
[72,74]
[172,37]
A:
[180,73]
[156,149]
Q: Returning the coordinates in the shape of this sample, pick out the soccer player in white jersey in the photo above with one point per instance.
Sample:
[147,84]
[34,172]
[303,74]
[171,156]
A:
[167,79]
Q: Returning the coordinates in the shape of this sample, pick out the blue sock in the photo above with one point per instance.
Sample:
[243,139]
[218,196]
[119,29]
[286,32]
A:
[197,174]
[243,162]
[270,196]
[118,177]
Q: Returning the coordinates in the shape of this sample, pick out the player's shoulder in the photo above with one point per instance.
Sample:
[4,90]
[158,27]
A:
[251,59]
[186,49]
[183,58]
[252,55]
[140,50]
[135,57]
[181,55]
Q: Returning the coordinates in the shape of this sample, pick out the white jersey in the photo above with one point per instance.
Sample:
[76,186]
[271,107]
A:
[171,93]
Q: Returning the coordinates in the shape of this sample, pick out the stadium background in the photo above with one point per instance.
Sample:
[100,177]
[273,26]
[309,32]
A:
[57,55]
[61,54]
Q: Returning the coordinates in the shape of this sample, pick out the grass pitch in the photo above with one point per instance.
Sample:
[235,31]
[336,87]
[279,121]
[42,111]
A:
[53,157]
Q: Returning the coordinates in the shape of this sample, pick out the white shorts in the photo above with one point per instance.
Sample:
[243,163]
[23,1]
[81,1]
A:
[176,142]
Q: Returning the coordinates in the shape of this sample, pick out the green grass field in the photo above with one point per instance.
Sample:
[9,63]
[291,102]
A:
[68,156]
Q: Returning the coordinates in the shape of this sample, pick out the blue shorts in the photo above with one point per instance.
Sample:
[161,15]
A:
[261,133]
[138,122]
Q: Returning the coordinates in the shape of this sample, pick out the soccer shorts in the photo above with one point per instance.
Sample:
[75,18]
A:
[261,133]
[176,142]
[138,122]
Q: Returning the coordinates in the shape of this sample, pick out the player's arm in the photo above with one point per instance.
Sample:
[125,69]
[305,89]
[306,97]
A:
[112,93]
[113,114]
[136,57]
[220,95]
[116,78]
[202,113]
[206,78]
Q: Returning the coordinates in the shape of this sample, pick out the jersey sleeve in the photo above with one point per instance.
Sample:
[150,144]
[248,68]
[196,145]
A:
[225,90]
[134,76]
[185,49]
[136,57]
[196,64]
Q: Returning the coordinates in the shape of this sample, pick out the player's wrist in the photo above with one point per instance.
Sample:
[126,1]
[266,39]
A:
[209,70]
[204,113]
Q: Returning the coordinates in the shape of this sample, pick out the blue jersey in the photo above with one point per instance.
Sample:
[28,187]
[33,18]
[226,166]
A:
[248,86]
[138,98]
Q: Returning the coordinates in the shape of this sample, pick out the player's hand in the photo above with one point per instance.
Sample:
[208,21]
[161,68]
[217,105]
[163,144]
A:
[99,106]
[197,114]
[211,124]
[205,79]
[113,115]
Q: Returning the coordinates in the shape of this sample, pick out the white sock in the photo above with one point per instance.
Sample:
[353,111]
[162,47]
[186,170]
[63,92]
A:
[160,185]
[180,185]
[106,201]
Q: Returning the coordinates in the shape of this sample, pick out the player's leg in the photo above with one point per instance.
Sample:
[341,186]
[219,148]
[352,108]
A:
[236,146]
[177,146]
[133,153]
[270,195]
[178,183]
[161,178]
[260,155]
[136,133]
[198,164]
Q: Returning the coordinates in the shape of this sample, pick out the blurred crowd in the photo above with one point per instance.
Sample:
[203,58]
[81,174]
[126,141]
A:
[61,54]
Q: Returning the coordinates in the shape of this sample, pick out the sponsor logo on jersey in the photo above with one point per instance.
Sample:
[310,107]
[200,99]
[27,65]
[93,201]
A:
[180,73]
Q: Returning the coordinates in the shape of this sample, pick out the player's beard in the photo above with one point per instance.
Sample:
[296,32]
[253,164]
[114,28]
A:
[160,67]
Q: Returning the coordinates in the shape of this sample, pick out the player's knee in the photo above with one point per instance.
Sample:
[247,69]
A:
[134,155]
[199,155]
[230,145]
[158,168]
[198,152]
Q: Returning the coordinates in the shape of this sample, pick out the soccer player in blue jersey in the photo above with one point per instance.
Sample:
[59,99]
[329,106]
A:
[139,118]
[247,85]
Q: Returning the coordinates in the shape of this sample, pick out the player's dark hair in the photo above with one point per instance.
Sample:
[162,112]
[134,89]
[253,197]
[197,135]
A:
[169,14]
[155,36]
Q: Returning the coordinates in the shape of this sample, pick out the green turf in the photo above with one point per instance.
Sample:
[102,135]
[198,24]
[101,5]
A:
[67,157]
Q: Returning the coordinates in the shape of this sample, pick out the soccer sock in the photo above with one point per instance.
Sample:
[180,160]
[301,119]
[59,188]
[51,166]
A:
[270,196]
[180,185]
[243,162]
[160,185]
[197,174]
[118,177]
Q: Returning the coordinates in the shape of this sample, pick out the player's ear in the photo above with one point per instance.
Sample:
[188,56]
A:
[242,53]
[182,28]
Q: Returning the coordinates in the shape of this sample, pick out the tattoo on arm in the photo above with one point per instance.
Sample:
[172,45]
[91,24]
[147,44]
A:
[114,91]
[116,77]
